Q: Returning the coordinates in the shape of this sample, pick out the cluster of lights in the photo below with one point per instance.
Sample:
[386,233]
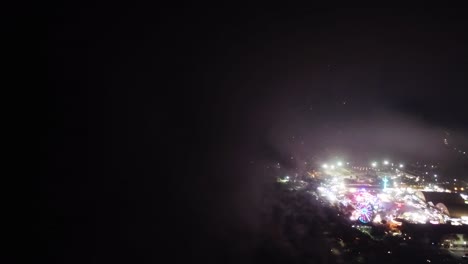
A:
[364,208]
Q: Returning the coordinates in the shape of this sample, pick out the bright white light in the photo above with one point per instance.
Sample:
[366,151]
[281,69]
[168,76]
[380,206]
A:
[435,175]
[385,162]
[332,167]
[401,165]
[374,164]
[331,197]
[377,219]
[339,163]
[325,166]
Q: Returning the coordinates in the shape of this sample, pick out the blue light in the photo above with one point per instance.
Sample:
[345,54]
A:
[385,180]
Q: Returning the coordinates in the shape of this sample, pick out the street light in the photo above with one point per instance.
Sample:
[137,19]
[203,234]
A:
[385,162]
[339,163]
[374,164]
[325,166]
[401,165]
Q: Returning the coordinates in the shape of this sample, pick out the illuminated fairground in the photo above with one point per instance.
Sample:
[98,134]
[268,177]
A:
[388,196]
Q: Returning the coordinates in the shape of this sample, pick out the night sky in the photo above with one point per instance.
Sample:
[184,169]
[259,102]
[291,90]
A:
[162,120]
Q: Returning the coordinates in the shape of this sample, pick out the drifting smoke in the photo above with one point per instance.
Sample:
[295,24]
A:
[383,133]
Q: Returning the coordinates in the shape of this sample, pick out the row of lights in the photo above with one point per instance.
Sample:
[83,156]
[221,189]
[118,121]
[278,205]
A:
[332,166]
[373,164]
[385,162]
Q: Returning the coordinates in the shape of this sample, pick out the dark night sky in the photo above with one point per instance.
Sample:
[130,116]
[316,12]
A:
[156,115]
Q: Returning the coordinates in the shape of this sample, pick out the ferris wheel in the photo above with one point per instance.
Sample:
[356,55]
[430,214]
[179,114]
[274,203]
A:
[365,212]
